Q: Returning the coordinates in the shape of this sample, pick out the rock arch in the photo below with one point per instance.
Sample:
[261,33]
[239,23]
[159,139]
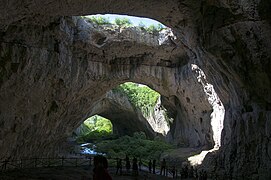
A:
[230,41]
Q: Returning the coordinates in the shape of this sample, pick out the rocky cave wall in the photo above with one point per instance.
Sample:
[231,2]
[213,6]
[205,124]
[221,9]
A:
[51,75]
[58,73]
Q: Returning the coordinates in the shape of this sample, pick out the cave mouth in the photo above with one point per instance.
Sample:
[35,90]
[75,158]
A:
[94,128]
[126,20]
[146,103]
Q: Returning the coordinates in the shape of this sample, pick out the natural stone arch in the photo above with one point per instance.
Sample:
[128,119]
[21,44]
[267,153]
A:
[89,72]
[126,119]
[210,43]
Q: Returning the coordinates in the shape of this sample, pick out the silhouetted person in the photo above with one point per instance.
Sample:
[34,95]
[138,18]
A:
[153,166]
[135,167]
[163,167]
[191,172]
[140,164]
[119,166]
[150,166]
[100,168]
[203,175]
[128,165]
[196,173]
[90,161]
[173,171]
[185,171]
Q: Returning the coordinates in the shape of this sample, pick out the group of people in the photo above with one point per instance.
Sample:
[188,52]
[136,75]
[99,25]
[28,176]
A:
[191,172]
[135,165]
[100,171]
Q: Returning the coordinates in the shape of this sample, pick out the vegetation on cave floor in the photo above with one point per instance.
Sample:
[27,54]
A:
[135,146]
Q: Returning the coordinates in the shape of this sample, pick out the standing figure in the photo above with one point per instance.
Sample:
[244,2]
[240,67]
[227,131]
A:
[139,164]
[119,166]
[163,167]
[153,166]
[150,166]
[128,165]
[135,167]
[100,168]
[174,174]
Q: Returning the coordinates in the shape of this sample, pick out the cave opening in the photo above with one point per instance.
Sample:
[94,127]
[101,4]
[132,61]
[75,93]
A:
[148,24]
[133,111]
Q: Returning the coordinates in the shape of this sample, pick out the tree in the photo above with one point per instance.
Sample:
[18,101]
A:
[123,22]
[99,20]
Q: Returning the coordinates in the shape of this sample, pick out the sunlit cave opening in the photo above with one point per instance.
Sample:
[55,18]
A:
[95,128]
[126,20]
[143,28]
[130,120]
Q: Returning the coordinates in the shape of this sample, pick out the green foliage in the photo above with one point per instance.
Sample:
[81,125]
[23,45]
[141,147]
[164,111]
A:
[141,97]
[123,22]
[155,28]
[142,25]
[126,22]
[97,128]
[134,146]
[99,20]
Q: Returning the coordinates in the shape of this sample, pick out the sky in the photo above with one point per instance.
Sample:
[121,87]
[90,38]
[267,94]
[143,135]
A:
[133,19]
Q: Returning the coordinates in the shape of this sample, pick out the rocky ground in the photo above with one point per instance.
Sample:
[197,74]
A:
[69,173]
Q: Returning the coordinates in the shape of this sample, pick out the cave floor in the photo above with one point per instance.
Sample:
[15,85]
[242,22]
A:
[70,173]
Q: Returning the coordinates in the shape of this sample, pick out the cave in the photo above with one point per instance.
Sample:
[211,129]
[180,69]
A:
[55,69]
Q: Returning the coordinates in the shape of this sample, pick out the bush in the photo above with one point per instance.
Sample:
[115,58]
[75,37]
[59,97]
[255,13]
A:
[155,29]
[123,22]
[141,97]
[99,20]
[97,128]
[134,146]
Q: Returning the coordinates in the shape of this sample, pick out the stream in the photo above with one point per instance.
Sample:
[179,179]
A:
[89,149]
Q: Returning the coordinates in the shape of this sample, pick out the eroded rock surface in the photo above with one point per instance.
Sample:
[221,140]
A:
[52,74]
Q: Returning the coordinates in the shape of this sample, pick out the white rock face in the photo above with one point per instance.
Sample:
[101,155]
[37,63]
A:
[158,119]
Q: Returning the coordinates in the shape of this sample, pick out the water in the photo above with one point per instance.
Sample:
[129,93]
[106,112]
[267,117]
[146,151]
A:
[89,149]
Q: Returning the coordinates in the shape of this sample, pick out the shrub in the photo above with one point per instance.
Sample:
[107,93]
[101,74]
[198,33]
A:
[134,146]
[99,20]
[97,128]
[155,29]
[123,22]
[141,97]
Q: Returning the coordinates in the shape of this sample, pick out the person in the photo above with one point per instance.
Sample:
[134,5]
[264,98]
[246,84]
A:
[90,161]
[153,166]
[163,167]
[119,166]
[128,165]
[150,166]
[100,168]
[203,175]
[191,172]
[139,164]
[173,171]
[135,167]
